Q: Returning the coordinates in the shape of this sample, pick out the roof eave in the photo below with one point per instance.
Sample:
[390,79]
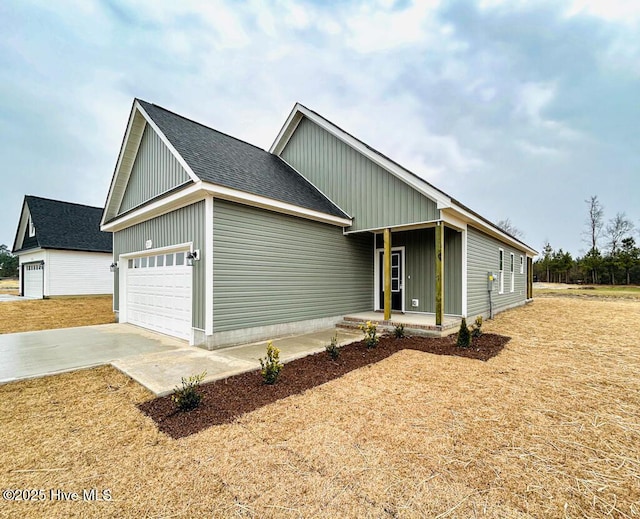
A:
[200,190]
[15,240]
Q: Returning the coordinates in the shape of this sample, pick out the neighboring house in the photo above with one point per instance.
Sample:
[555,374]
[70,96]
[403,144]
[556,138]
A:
[61,249]
[219,242]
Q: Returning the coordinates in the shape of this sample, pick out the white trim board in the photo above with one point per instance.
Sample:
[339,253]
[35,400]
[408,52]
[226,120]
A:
[200,190]
[208,265]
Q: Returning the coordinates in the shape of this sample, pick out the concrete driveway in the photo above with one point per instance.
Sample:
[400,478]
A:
[156,361]
[10,297]
[33,354]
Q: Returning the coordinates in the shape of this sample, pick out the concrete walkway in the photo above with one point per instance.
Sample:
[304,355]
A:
[162,372]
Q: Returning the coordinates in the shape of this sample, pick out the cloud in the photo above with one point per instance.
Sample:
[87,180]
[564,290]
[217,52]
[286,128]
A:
[493,101]
[379,27]
[619,11]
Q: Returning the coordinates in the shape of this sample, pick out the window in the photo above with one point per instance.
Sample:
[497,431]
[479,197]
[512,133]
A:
[501,269]
[179,258]
[513,274]
[152,261]
[395,272]
[169,262]
[143,263]
[32,228]
[521,264]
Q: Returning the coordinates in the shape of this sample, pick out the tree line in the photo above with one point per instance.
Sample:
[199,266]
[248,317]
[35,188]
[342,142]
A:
[8,263]
[613,257]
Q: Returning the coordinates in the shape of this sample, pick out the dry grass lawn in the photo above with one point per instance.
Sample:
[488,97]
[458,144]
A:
[9,286]
[549,428]
[63,312]
[610,291]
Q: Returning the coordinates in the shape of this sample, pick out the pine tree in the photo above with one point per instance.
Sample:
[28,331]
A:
[464,335]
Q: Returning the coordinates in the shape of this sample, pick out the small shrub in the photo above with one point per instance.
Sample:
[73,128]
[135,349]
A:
[476,329]
[332,348]
[271,365]
[187,397]
[464,335]
[398,331]
[370,337]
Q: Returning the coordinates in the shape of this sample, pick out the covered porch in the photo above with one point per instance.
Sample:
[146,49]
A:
[419,277]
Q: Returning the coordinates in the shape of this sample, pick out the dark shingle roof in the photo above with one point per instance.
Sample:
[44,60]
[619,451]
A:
[226,161]
[67,226]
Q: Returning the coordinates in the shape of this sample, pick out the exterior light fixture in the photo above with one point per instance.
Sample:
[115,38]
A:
[113,267]
[192,256]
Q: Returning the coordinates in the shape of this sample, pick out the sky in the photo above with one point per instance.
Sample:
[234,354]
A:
[517,109]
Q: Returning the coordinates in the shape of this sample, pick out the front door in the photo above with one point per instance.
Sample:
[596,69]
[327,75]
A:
[397,280]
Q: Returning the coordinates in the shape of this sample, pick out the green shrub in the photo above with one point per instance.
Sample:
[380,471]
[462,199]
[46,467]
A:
[476,329]
[370,337]
[271,365]
[464,335]
[398,331]
[332,349]
[187,397]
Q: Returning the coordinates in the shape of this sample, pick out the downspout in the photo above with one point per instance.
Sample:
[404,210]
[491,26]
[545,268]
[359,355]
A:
[42,264]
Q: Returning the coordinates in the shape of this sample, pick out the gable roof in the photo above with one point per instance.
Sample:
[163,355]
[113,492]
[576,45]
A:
[214,157]
[63,225]
[443,200]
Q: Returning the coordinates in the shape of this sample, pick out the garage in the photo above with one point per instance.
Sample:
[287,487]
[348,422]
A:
[33,276]
[158,293]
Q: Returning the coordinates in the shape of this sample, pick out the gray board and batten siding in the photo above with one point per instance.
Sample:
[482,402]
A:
[420,268]
[270,268]
[181,226]
[155,171]
[482,258]
[372,196]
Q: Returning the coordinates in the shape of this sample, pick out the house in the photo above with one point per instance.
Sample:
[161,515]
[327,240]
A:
[219,242]
[61,249]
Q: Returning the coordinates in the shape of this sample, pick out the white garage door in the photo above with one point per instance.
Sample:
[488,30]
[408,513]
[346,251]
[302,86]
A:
[158,293]
[33,276]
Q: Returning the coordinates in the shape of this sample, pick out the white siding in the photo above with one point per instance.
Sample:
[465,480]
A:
[77,273]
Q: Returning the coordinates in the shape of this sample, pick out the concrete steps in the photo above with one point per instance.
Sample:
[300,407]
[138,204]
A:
[410,328]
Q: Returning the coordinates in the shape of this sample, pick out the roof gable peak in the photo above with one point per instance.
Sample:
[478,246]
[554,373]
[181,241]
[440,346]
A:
[193,121]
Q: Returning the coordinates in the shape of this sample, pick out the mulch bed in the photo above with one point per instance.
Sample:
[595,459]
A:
[225,400]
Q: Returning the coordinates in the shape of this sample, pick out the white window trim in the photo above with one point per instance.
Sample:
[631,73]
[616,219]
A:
[32,228]
[501,270]
[512,268]
[521,264]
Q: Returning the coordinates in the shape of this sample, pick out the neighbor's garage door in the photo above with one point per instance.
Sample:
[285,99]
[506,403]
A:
[158,293]
[33,276]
